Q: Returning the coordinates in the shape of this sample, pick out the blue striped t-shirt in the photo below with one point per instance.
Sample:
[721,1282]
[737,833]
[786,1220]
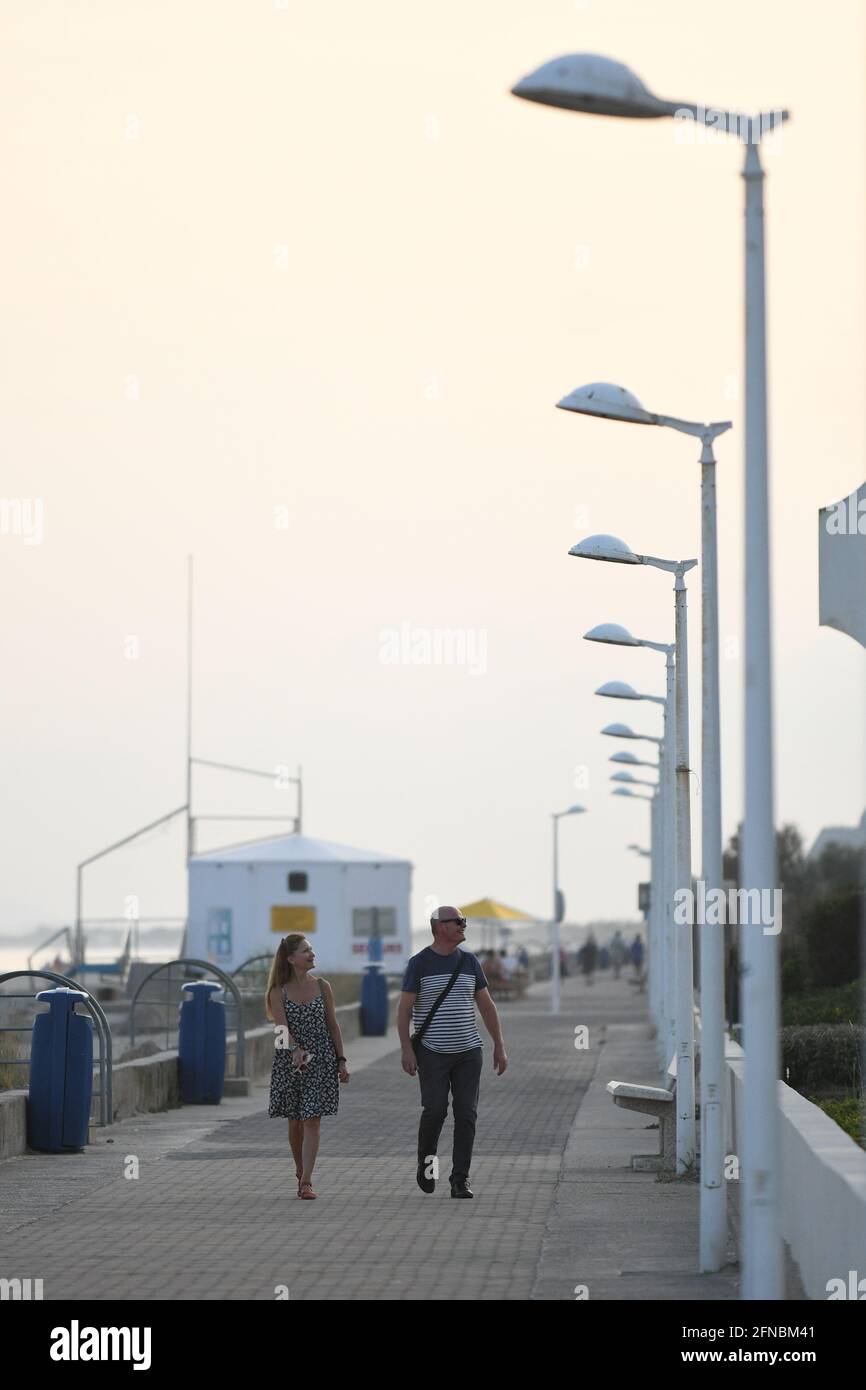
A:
[453,1028]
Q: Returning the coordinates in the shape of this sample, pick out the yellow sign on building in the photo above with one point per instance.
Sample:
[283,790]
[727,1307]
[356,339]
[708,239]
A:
[291,920]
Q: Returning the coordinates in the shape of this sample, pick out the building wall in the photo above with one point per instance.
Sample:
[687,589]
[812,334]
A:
[249,891]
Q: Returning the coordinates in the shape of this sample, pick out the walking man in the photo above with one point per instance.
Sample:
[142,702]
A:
[441,987]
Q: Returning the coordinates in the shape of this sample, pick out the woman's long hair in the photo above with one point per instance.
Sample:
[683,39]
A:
[282,971]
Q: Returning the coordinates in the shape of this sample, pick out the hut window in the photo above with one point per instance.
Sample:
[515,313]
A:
[374,921]
[297,883]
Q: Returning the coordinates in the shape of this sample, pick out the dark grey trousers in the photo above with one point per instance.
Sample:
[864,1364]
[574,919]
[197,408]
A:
[461,1073]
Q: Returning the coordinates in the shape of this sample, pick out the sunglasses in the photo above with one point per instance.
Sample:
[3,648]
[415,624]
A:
[461,920]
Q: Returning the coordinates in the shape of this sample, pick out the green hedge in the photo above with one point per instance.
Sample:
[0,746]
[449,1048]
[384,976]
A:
[848,1115]
[832,929]
[822,1056]
[837,1004]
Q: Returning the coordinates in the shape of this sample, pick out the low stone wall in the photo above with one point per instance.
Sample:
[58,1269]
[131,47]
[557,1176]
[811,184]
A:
[13,1123]
[822,1185]
[151,1083]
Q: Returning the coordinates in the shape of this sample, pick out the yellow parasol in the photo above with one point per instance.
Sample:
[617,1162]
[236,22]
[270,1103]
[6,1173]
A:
[491,913]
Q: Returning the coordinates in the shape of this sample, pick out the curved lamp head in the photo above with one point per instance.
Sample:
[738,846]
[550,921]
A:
[613,633]
[619,731]
[625,791]
[589,82]
[609,402]
[625,758]
[604,548]
[622,777]
[619,690]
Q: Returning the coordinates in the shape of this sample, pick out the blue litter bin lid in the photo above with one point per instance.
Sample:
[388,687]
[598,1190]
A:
[49,994]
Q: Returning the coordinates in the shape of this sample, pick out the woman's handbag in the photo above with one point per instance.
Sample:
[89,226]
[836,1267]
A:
[416,1037]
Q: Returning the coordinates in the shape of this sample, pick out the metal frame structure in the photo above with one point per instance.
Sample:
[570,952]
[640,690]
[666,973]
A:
[225,980]
[103,1030]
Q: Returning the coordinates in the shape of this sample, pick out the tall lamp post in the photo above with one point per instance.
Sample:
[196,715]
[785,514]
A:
[586,82]
[613,550]
[661,953]
[558,910]
[663,982]
[606,401]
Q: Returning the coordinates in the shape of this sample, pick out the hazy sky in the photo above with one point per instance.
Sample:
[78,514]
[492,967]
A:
[295,288]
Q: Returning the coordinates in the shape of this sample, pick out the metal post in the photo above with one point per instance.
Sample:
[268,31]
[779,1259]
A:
[554,934]
[713,1200]
[667,771]
[190,849]
[762,1252]
[654,955]
[685,1093]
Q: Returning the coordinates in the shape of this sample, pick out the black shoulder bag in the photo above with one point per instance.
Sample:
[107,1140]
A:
[416,1037]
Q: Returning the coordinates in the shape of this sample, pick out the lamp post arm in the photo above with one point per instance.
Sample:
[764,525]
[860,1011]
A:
[677,567]
[666,647]
[749,129]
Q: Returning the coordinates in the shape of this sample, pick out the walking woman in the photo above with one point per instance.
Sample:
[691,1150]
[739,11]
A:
[304,1083]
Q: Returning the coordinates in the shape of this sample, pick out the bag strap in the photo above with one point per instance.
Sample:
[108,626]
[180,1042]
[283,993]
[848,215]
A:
[429,1019]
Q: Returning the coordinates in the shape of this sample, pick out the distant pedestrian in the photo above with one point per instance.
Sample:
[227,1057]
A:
[637,956]
[618,953]
[589,958]
[441,987]
[308,1061]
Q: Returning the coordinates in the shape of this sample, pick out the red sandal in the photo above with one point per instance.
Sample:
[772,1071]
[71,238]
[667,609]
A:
[307,1196]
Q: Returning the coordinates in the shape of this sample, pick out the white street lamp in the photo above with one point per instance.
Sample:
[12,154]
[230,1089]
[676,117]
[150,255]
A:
[610,548]
[630,759]
[632,781]
[662,962]
[558,910]
[623,731]
[590,83]
[609,402]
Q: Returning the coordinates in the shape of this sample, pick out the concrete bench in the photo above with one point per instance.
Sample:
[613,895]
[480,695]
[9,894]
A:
[656,1101]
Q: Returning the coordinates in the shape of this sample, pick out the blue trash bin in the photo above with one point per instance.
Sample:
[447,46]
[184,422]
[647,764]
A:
[61,1074]
[374,993]
[201,1046]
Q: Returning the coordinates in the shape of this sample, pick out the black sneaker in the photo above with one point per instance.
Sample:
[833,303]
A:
[425,1184]
[460,1188]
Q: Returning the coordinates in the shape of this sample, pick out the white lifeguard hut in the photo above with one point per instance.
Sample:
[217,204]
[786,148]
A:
[244,898]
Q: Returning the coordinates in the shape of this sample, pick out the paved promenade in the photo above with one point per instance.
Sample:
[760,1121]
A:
[213,1213]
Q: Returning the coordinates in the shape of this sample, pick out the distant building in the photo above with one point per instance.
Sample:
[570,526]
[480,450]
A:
[243,899]
[853,837]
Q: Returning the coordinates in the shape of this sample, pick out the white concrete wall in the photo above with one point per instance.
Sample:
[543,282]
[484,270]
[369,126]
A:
[822,1192]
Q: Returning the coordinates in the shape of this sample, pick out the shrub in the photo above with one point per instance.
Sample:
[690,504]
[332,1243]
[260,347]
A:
[848,1115]
[837,1004]
[822,1056]
[832,929]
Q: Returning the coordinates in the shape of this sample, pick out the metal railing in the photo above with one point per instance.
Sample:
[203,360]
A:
[178,982]
[103,1031]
